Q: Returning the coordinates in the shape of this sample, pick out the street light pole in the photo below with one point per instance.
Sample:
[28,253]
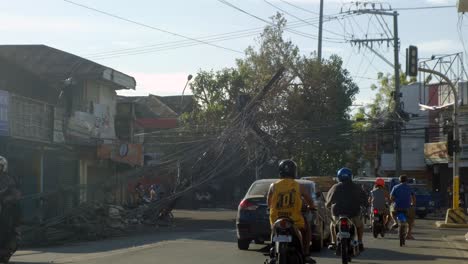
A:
[456,138]
[189,77]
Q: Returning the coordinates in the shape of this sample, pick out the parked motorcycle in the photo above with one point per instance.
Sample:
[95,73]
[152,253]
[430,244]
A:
[287,243]
[347,245]
[378,226]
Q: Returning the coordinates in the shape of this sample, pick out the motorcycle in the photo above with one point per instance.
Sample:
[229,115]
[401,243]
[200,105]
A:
[402,226]
[378,223]
[347,245]
[287,243]
[8,236]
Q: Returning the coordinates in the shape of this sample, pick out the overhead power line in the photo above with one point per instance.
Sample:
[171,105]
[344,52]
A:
[162,46]
[150,27]
[270,23]
[300,8]
[423,7]
[296,17]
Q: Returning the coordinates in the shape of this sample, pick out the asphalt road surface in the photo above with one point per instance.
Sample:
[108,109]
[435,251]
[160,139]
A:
[209,237]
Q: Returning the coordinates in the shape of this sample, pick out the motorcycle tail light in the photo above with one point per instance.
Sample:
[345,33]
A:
[344,223]
[376,211]
[284,224]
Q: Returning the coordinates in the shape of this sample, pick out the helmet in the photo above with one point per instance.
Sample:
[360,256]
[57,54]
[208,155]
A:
[344,174]
[287,169]
[4,164]
[380,182]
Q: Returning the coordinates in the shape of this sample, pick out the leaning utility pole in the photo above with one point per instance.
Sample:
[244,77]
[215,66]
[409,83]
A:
[397,94]
[319,50]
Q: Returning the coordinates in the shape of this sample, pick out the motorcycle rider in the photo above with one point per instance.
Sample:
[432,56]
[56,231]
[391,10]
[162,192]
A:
[403,199]
[379,198]
[285,200]
[346,198]
[10,210]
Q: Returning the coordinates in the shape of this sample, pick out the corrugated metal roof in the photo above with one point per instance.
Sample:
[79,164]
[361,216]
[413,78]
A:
[178,104]
[54,65]
[149,107]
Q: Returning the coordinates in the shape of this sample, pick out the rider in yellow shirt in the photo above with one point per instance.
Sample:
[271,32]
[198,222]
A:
[285,200]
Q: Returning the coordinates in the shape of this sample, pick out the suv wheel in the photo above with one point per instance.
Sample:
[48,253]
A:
[243,244]
[317,242]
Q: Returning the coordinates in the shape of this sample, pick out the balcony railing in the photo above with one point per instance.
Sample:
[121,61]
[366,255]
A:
[30,119]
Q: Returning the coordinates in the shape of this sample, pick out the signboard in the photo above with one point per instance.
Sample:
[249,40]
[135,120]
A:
[104,121]
[436,153]
[82,125]
[4,103]
[131,154]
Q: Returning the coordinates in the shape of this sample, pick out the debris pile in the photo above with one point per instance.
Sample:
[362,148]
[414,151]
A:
[92,221]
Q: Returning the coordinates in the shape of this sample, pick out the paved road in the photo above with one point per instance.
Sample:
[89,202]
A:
[208,237]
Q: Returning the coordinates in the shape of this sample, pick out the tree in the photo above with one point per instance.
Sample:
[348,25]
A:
[216,95]
[376,117]
[306,114]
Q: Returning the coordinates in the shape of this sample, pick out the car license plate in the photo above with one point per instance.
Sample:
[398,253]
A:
[282,239]
[376,218]
[421,208]
[344,235]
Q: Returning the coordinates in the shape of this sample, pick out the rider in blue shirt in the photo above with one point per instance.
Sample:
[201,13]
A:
[404,199]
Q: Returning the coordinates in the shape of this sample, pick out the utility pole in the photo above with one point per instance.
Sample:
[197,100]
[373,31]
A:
[397,110]
[396,65]
[319,49]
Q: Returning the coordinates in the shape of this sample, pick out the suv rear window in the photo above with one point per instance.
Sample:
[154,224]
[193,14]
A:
[260,188]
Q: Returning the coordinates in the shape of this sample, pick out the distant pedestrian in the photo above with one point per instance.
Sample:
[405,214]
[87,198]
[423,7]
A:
[139,193]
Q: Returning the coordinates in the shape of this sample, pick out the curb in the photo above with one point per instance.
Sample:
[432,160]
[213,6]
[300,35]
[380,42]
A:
[442,224]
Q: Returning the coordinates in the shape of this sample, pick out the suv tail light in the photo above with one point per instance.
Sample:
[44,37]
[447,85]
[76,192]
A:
[247,205]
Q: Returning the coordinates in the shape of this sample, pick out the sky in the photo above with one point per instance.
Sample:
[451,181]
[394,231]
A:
[161,61]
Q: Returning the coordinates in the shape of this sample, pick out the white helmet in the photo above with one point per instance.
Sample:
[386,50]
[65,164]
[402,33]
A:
[4,164]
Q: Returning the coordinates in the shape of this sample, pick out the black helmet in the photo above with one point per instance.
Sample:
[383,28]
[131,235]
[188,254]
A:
[287,169]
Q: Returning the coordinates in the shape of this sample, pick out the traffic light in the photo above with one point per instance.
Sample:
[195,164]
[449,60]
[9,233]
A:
[450,142]
[412,61]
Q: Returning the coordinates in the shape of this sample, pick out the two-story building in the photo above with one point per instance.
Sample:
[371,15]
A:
[56,110]
[413,137]
[437,157]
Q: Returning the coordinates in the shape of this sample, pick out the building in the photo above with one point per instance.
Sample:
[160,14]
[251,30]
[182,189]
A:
[437,157]
[413,137]
[57,109]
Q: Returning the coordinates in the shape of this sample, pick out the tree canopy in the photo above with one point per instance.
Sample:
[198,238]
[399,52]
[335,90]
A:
[306,114]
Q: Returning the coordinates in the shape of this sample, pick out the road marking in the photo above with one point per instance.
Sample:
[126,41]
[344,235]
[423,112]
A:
[462,252]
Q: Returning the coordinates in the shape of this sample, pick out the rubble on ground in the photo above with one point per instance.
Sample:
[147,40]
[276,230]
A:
[92,221]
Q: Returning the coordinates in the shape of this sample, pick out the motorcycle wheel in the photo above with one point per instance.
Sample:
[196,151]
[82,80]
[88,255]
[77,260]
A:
[344,252]
[282,254]
[296,258]
[375,231]
[401,234]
